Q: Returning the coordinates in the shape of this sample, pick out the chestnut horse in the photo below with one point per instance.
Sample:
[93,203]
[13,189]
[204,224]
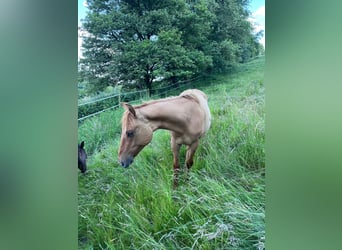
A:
[186,116]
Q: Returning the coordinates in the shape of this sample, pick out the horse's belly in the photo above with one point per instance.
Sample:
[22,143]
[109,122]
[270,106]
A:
[187,139]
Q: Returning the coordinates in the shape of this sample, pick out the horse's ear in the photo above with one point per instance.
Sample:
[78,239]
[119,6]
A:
[82,144]
[128,107]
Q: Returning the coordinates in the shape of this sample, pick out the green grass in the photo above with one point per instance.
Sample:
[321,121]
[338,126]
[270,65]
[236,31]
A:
[221,206]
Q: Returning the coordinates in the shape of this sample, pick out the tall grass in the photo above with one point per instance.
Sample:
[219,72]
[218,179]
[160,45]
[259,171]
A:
[222,204]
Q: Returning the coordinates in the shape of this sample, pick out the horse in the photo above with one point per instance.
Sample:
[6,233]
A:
[186,116]
[82,157]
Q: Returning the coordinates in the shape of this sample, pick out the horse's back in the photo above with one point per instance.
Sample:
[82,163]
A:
[202,99]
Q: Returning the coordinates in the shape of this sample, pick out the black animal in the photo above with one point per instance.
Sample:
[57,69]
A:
[82,158]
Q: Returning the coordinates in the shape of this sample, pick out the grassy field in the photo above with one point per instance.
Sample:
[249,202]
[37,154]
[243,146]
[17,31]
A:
[222,206]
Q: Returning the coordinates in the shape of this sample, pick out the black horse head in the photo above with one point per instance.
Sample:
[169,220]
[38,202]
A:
[82,158]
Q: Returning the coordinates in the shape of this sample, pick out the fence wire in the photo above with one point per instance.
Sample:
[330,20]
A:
[122,94]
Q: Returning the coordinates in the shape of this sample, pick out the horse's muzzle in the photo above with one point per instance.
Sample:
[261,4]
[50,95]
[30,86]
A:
[128,161]
[82,166]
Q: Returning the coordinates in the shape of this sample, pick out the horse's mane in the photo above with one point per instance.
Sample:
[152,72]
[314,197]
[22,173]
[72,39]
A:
[155,101]
[186,96]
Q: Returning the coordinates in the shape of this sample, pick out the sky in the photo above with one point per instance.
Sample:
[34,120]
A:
[256,7]
[82,10]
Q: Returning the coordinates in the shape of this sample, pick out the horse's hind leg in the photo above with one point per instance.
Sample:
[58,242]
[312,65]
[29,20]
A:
[175,150]
[190,152]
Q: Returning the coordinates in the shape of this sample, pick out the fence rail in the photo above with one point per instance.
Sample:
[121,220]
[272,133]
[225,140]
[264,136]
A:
[122,95]
[97,100]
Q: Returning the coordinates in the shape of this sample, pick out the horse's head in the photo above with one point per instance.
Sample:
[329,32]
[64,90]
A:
[135,135]
[82,157]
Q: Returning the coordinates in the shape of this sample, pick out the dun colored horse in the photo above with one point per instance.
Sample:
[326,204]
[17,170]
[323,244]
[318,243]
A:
[82,158]
[186,116]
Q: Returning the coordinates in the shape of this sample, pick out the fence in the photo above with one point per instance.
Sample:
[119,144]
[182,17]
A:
[102,104]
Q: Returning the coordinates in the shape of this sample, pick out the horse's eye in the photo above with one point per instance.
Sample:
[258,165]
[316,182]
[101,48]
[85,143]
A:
[130,133]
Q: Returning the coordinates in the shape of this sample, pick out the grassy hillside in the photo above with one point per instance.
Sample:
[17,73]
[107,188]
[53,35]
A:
[222,206]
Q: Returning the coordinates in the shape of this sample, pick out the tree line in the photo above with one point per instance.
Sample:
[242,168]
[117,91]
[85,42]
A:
[138,42]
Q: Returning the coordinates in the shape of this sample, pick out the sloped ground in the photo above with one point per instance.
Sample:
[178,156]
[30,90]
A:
[222,206]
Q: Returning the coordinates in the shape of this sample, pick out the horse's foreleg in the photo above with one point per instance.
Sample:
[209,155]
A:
[175,150]
[190,152]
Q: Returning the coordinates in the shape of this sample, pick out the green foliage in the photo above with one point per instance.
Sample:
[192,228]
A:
[221,206]
[136,42]
[178,62]
[225,55]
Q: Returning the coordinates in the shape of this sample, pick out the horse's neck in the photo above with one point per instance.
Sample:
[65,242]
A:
[162,114]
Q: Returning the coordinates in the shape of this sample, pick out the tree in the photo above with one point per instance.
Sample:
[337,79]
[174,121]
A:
[231,40]
[179,62]
[133,42]
[130,40]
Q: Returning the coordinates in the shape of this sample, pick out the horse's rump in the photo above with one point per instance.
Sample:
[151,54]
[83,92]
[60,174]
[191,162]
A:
[202,99]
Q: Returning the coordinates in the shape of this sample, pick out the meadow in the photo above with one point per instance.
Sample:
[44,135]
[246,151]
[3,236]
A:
[220,206]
